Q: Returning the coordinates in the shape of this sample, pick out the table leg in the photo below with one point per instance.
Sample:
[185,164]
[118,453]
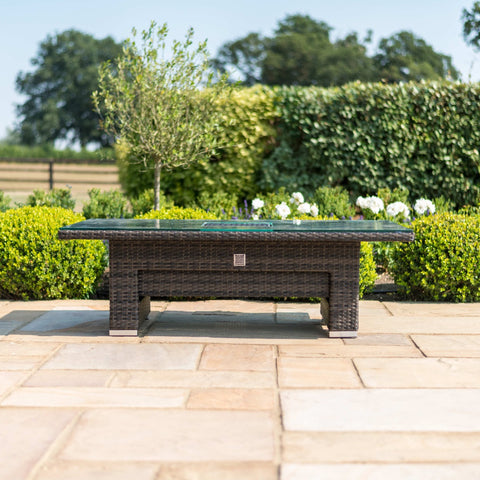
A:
[340,310]
[127,309]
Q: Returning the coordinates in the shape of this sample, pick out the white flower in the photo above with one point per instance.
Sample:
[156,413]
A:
[297,197]
[314,210]
[283,210]
[257,203]
[423,206]
[255,216]
[374,204]
[398,208]
[304,208]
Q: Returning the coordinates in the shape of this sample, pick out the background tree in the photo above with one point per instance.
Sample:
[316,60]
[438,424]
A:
[471,25]
[297,52]
[404,57]
[59,89]
[301,52]
[160,104]
[246,55]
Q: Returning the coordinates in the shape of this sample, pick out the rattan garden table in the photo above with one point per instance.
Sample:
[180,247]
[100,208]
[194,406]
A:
[234,259]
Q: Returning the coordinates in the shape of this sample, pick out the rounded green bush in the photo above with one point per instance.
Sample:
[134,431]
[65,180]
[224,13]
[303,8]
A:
[443,261]
[34,264]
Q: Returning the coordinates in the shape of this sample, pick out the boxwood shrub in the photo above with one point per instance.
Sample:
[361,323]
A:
[443,261]
[34,264]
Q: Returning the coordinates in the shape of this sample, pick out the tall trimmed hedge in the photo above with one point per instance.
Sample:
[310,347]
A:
[420,136]
[423,137]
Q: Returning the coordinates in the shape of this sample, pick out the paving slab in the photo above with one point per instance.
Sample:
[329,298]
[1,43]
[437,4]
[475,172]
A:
[14,320]
[4,304]
[238,357]
[373,308]
[419,372]
[380,447]
[441,410]
[101,471]
[9,379]
[420,324]
[222,307]
[194,379]
[8,362]
[231,399]
[88,397]
[300,372]
[26,435]
[380,340]
[433,309]
[68,320]
[70,378]
[448,345]
[298,313]
[218,471]
[349,350]
[125,357]
[380,472]
[232,330]
[153,435]
[26,349]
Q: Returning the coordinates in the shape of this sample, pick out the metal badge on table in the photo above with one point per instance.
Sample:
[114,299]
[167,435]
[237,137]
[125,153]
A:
[239,259]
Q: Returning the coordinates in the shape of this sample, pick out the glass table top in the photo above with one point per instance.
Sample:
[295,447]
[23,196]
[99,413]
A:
[355,226]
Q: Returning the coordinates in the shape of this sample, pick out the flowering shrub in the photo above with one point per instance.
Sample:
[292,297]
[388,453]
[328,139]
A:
[282,210]
[297,198]
[373,208]
[257,204]
[398,210]
[304,208]
[370,205]
[423,206]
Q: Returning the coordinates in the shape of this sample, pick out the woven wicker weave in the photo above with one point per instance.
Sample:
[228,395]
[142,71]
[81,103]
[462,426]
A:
[145,263]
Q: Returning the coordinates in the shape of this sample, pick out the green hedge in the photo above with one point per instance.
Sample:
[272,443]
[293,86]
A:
[34,264]
[443,261]
[420,136]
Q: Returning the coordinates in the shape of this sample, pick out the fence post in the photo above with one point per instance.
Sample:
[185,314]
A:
[50,173]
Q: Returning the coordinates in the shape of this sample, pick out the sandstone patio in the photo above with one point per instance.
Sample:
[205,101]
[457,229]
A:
[234,390]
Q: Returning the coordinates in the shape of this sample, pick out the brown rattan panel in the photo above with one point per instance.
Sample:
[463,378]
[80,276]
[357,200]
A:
[232,284]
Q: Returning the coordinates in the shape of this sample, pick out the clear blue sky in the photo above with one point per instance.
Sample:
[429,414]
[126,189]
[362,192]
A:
[25,23]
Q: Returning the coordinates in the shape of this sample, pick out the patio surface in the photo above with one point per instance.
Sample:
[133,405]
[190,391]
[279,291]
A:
[236,390]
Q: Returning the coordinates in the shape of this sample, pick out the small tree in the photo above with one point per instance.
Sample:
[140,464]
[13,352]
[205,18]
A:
[161,106]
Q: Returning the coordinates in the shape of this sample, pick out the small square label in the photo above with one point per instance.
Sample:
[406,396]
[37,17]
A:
[239,259]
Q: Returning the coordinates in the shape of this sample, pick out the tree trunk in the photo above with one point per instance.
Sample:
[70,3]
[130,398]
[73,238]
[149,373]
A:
[156,186]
